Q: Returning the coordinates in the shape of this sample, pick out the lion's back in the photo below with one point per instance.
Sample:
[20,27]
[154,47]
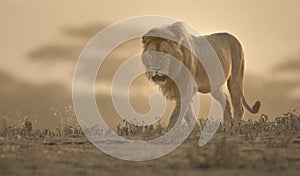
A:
[224,37]
[228,49]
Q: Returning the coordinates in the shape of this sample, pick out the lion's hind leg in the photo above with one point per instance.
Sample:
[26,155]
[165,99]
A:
[227,113]
[235,82]
[227,117]
[235,88]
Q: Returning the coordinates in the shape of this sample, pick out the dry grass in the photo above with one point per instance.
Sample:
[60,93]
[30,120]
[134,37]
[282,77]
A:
[288,123]
[241,147]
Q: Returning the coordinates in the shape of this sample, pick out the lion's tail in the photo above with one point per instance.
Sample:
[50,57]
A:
[254,109]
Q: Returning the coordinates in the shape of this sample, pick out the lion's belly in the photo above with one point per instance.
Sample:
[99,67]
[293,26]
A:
[203,82]
[202,79]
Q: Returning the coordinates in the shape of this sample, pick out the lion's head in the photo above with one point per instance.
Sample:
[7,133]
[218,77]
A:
[160,46]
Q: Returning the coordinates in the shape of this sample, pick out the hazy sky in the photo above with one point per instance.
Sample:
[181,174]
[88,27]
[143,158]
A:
[268,31]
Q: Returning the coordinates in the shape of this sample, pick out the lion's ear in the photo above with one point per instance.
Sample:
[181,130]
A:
[179,25]
[143,39]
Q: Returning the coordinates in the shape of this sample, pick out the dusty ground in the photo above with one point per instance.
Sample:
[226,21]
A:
[247,148]
[260,155]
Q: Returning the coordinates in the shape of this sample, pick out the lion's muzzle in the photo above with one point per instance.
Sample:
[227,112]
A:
[158,78]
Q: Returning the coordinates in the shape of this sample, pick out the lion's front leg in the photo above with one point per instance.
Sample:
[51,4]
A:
[175,115]
[188,115]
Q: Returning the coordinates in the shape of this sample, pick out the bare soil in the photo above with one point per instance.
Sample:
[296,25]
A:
[259,154]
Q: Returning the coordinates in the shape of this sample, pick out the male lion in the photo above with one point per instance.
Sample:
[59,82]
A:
[228,50]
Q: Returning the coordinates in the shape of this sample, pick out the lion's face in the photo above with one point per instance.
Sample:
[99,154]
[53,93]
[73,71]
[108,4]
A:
[164,57]
[158,58]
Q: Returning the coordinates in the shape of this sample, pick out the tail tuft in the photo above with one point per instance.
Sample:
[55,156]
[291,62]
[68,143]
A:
[256,106]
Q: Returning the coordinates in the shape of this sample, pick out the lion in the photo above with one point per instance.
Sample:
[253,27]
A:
[228,50]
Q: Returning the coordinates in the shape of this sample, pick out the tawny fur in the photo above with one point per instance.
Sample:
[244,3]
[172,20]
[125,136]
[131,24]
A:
[227,48]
